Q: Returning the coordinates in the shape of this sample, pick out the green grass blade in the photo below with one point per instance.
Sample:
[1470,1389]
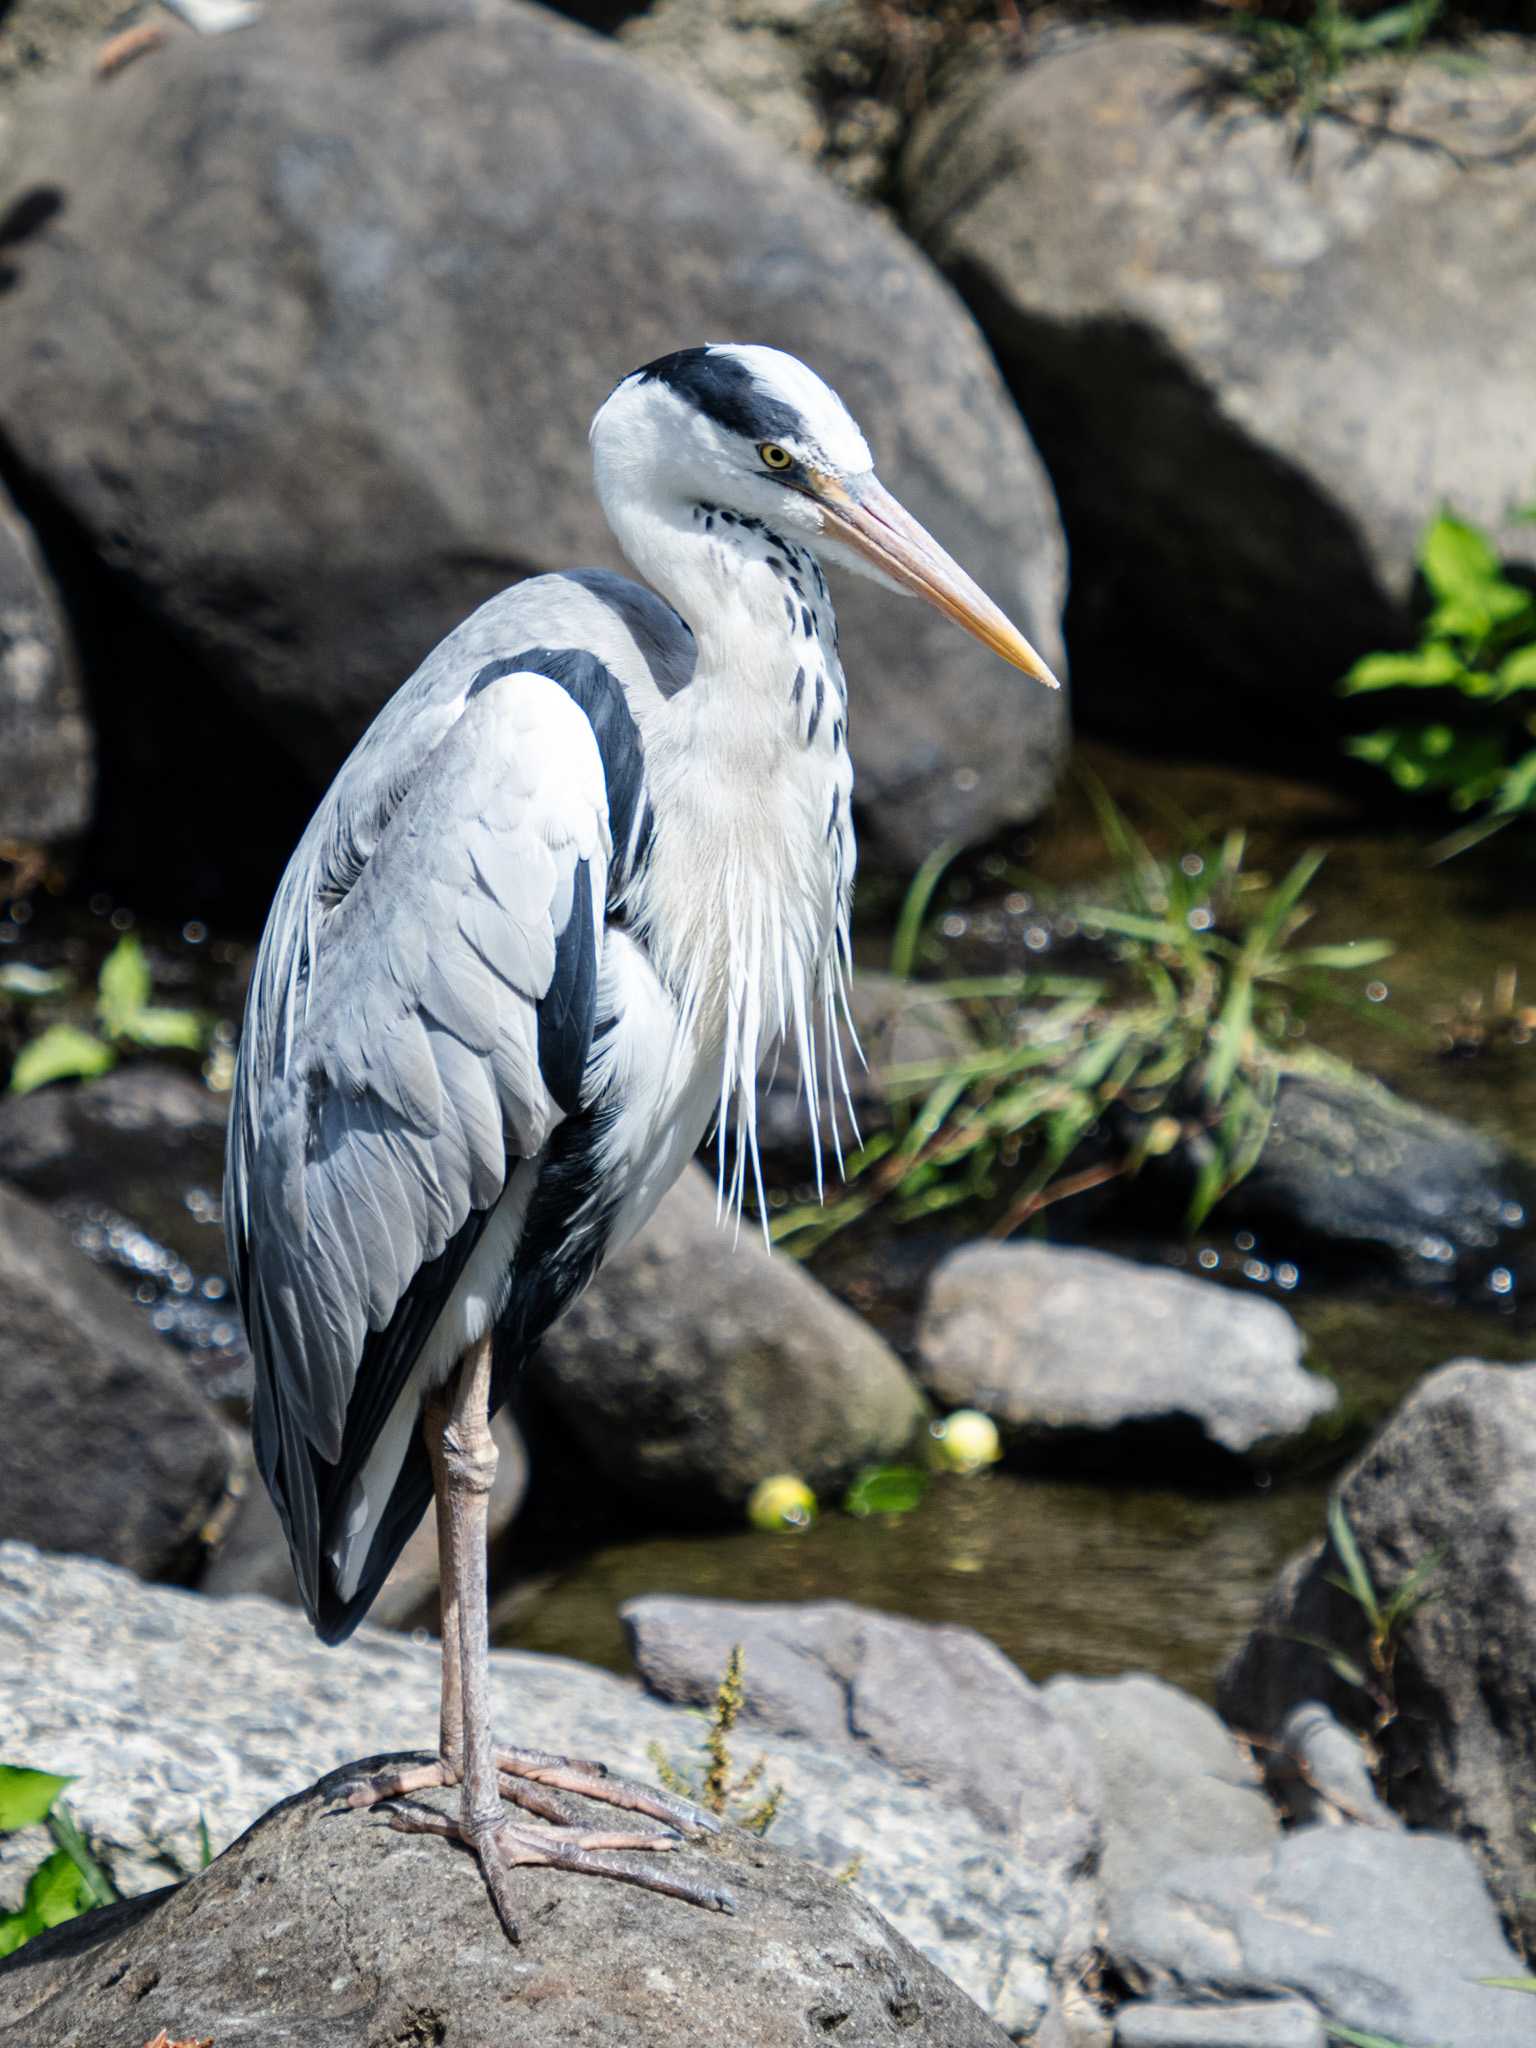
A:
[1361,1589]
[914,909]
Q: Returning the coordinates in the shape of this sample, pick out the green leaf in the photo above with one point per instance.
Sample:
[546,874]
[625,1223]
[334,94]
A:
[1517,671]
[886,1490]
[1419,757]
[56,1893]
[183,1029]
[66,1833]
[1351,2037]
[1509,1983]
[204,1846]
[123,986]
[1361,1590]
[29,984]
[1353,953]
[1407,1598]
[1457,560]
[1434,666]
[26,1797]
[1517,790]
[61,1053]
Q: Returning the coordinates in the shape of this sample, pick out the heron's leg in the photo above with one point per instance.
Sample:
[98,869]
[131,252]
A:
[450,1739]
[469,1460]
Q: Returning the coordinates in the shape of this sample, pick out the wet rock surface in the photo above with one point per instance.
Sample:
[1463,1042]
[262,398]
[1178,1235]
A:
[697,1364]
[168,1707]
[344,1934]
[1453,1472]
[1354,1167]
[307,494]
[107,1448]
[1385,1933]
[1070,1349]
[47,747]
[1174,297]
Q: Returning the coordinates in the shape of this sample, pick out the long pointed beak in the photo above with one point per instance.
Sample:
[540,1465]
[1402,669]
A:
[877,527]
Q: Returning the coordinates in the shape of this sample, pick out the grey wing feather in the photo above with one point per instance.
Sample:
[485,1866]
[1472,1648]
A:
[391,1051]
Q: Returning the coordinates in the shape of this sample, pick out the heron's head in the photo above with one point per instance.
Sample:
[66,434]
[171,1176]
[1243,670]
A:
[753,430]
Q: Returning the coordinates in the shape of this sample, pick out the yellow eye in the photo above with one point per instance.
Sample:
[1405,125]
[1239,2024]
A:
[774,456]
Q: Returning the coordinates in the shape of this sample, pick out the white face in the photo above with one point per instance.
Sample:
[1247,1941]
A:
[754,431]
[735,425]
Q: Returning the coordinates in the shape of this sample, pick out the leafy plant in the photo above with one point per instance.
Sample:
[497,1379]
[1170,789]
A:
[65,1884]
[1291,64]
[126,1016]
[1181,1039]
[1385,1616]
[718,1789]
[1479,645]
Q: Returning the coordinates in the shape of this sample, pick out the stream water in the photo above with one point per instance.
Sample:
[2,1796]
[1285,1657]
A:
[1064,1575]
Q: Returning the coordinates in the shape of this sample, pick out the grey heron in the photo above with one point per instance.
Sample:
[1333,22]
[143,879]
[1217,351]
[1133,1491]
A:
[583,871]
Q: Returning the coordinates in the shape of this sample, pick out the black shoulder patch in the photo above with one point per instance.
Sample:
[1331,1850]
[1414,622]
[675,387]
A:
[663,638]
[720,386]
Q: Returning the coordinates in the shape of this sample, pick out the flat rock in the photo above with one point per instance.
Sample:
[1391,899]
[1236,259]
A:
[941,1707]
[312,355]
[1453,1472]
[107,1448]
[168,1707]
[1174,1782]
[1253,378]
[698,1363]
[47,746]
[341,1933]
[1065,1347]
[1385,1933]
[1267,2023]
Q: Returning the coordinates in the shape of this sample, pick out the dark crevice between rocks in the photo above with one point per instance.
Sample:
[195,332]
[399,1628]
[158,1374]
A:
[197,802]
[1176,612]
[1152,1450]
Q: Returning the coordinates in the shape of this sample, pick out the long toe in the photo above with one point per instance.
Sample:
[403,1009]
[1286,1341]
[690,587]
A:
[400,1784]
[596,1855]
[596,1781]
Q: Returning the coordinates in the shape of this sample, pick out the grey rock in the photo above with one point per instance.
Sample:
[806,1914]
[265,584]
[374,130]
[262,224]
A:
[168,1706]
[106,1448]
[333,390]
[1385,1933]
[1352,1165]
[1175,1783]
[252,1556]
[1272,2023]
[147,1141]
[898,1023]
[342,1934]
[47,748]
[943,1708]
[698,1363]
[1320,1770]
[1059,1345]
[1253,380]
[1453,1471]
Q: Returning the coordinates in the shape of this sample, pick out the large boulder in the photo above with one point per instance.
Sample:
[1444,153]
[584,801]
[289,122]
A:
[1080,1351]
[344,1933]
[47,748]
[106,1446]
[313,349]
[698,1363]
[1254,380]
[1453,1476]
[941,1707]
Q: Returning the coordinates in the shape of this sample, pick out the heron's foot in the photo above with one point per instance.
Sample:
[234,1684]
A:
[501,1846]
[534,1779]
